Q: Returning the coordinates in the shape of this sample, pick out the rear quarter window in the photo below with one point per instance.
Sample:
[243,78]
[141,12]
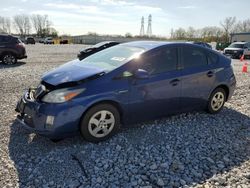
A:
[212,58]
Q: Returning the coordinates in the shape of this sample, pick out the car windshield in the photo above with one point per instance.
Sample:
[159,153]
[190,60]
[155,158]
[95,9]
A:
[236,45]
[111,58]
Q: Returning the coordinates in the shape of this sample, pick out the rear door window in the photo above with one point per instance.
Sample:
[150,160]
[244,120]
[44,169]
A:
[193,57]
[162,61]
[212,58]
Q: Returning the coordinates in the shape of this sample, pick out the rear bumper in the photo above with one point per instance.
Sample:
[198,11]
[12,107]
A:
[22,57]
[232,87]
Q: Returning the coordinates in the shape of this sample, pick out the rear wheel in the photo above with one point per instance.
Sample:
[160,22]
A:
[216,101]
[100,123]
[9,59]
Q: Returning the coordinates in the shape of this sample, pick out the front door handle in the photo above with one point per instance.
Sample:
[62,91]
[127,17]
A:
[210,73]
[174,82]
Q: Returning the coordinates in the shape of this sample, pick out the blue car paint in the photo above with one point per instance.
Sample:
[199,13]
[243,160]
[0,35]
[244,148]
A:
[136,99]
[70,72]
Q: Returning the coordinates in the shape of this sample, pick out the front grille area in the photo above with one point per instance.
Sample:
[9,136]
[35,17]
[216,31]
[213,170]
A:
[229,52]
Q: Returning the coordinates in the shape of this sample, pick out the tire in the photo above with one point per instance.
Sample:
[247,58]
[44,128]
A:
[218,95]
[100,123]
[9,59]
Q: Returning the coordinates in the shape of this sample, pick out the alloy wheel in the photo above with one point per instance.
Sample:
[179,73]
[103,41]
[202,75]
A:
[9,59]
[217,101]
[101,123]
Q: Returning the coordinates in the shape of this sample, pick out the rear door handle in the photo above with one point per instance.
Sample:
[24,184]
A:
[210,73]
[174,82]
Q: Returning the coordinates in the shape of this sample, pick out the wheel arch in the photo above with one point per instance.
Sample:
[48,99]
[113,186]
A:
[110,102]
[226,89]
[7,52]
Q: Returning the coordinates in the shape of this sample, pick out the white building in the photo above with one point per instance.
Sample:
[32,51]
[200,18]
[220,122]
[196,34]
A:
[240,37]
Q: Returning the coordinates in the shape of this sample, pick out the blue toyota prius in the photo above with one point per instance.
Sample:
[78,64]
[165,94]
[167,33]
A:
[124,84]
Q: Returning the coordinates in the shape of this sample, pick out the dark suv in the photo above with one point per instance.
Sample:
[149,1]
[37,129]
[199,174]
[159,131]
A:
[11,49]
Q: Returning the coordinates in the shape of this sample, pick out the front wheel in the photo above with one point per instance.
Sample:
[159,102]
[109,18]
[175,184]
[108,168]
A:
[100,123]
[216,101]
[9,59]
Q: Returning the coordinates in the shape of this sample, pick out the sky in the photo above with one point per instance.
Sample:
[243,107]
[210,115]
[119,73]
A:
[76,17]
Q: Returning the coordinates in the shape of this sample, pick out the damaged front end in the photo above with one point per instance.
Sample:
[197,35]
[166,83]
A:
[47,119]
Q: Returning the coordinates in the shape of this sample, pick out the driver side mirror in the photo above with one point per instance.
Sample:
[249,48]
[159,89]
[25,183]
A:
[141,74]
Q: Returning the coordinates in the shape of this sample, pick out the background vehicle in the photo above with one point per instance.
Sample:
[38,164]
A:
[127,83]
[30,40]
[222,45]
[48,40]
[11,49]
[237,49]
[96,48]
[204,44]
[41,40]
[64,41]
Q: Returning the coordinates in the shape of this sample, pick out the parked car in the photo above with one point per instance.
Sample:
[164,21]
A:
[48,40]
[11,49]
[127,83]
[222,45]
[41,40]
[96,48]
[237,49]
[64,41]
[204,44]
[30,40]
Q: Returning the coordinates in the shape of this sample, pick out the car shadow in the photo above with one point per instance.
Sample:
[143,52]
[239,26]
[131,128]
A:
[17,64]
[39,161]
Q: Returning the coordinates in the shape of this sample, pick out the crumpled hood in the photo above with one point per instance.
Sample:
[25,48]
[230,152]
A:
[70,72]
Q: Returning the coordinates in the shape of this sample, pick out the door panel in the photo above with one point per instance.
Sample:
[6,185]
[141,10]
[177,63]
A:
[159,95]
[197,78]
[196,87]
[156,96]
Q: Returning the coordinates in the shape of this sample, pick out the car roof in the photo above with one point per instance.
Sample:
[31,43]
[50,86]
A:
[148,45]
[239,42]
[6,35]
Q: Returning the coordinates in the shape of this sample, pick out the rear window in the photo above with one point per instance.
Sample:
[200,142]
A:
[4,39]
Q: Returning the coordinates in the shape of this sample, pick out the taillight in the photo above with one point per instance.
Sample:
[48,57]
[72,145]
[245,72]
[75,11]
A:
[20,45]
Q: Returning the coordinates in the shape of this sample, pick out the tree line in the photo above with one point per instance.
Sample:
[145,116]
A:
[24,24]
[213,33]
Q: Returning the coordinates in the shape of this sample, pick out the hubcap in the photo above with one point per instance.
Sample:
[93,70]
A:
[9,59]
[217,101]
[101,123]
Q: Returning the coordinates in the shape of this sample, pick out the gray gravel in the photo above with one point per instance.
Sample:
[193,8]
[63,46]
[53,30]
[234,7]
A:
[187,150]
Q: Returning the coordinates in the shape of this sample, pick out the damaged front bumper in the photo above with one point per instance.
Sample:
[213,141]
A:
[51,120]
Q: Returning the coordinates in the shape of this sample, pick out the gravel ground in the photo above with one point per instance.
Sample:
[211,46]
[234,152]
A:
[187,150]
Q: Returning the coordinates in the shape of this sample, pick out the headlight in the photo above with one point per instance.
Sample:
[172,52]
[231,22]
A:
[61,95]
